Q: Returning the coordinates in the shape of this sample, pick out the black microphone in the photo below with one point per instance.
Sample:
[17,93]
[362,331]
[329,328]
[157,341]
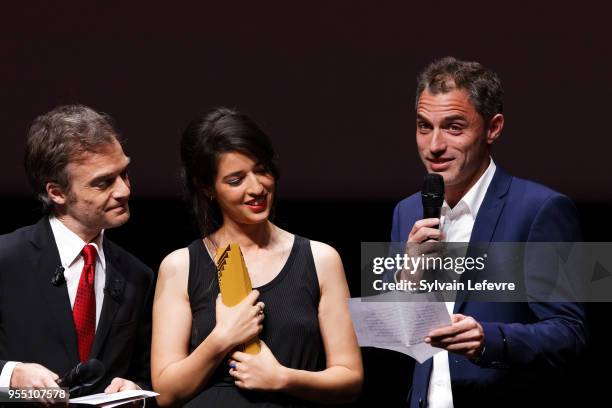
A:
[83,375]
[432,196]
[58,278]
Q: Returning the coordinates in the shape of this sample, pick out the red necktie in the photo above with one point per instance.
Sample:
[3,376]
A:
[84,310]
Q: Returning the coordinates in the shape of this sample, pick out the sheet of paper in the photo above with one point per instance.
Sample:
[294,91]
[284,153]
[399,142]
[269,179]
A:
[112,400]
[398,321]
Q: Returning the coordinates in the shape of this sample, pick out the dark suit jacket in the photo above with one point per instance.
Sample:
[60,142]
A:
[526,344]
[36,323]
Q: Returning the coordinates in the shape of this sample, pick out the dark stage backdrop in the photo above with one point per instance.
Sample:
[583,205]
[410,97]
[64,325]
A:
[333,84]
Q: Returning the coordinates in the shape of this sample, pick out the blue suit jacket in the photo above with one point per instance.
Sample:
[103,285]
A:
[525,343]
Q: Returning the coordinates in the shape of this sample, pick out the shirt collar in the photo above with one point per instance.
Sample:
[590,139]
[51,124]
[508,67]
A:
[70,244]
[475,195]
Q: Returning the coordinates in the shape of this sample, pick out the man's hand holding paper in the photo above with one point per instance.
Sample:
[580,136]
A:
[398,321]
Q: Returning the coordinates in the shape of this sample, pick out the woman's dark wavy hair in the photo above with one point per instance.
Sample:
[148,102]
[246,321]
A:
[219,131]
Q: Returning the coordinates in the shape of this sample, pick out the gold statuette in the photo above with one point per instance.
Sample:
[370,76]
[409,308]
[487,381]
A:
[235,284]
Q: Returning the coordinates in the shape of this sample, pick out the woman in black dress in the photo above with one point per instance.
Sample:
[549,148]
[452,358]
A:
[309,353]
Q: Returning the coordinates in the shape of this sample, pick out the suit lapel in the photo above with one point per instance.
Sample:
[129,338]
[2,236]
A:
[113,296]
[485,224]
[56,297]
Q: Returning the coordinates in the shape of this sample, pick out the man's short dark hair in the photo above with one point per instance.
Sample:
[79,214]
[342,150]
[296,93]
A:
[483,85]
[59,136]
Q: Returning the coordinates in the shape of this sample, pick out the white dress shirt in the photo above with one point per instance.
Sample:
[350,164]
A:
[457,224]
[69,246]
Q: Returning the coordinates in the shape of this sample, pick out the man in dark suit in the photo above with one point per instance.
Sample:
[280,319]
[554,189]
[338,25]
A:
[496,353]
[67,293]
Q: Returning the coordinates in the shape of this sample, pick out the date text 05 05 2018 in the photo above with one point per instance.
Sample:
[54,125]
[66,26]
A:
[34,394]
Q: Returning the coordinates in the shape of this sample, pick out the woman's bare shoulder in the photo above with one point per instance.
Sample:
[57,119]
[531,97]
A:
[175,264]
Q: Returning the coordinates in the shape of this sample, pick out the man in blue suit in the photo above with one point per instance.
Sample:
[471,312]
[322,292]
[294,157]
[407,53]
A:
[496,354]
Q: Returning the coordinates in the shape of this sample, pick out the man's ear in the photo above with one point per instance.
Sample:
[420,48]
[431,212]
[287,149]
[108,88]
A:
[56,193]
[496,125]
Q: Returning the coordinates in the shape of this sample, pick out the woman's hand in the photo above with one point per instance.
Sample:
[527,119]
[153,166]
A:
[238,324]
[261,372]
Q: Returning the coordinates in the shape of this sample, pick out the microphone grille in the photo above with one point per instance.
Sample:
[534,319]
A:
[433,190]
[91,370]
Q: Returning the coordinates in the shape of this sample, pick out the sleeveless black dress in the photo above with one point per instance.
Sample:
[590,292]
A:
[290,327]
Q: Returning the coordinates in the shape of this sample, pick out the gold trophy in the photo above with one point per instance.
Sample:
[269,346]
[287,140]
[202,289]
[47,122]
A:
[235,284]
